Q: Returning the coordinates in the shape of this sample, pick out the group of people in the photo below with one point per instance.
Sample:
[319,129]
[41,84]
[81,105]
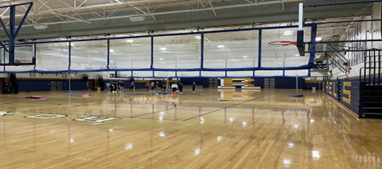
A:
[154,86]
[151,86]
[157,85]
[179,86]
[114,86]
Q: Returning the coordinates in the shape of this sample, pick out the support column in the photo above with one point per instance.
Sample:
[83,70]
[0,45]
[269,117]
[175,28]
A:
[259,57]
[12,37]
[108,53]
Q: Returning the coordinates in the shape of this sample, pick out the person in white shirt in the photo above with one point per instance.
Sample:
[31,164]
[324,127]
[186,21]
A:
[174,87]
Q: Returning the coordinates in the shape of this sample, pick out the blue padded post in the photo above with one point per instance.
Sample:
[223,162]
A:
[152,52]
[260,36]
[108,53]
[12,34]
[70,54]
[202,50]
[313,45]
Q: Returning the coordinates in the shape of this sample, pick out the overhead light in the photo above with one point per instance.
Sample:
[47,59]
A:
[297,55]
[163,49]
[112,50]
[160,58]
[129,41]
[245,56]
[221,46]
[318,38]
[198,37]
[40,26]
[137,18]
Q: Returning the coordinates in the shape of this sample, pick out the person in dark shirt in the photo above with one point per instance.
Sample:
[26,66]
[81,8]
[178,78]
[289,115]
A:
[180,86]
[193,87]
[132,86]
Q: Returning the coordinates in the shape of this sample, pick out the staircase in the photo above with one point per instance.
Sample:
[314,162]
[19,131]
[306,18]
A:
[371,84]
[336,58]
[339,90]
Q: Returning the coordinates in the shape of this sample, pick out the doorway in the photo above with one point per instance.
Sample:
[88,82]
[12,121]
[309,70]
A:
[56,86]
[269,83]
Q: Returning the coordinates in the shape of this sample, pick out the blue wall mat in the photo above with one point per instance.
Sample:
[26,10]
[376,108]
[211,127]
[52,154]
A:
[44,85]
[281,82]
[127,84]
[288,83]
[310,85]
[198,81]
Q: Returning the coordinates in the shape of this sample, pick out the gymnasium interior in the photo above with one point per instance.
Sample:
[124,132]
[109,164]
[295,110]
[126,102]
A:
[190,84]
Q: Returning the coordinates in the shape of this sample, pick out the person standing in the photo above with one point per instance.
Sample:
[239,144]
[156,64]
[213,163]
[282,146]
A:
[180,87]
[193,87]
[132,86]
[152,86]
[121,86]
[147,85]
[115,87]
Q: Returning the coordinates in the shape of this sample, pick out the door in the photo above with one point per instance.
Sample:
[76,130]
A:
[60,86]
[91,84]
[1,85]
[269,83]
[56,86]
[53,86]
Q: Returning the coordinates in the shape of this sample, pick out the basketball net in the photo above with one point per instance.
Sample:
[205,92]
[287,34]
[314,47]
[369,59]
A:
[281,47]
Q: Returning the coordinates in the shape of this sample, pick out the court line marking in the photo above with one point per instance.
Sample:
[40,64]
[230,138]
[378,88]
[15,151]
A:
[231,106]
[155,111]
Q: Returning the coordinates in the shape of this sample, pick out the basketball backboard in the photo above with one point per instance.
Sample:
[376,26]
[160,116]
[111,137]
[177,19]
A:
[24,55]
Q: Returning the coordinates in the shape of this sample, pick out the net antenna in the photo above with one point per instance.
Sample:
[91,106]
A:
[281,47]
[71,74]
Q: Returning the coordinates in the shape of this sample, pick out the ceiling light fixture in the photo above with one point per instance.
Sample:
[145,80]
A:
[137,18]
[221,46]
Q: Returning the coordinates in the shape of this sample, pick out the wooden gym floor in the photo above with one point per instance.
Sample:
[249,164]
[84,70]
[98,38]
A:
[207,129]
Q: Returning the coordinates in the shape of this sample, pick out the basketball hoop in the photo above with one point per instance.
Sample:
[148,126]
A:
[280,48]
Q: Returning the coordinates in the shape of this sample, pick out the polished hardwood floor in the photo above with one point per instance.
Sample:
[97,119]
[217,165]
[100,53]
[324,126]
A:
[207,129]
